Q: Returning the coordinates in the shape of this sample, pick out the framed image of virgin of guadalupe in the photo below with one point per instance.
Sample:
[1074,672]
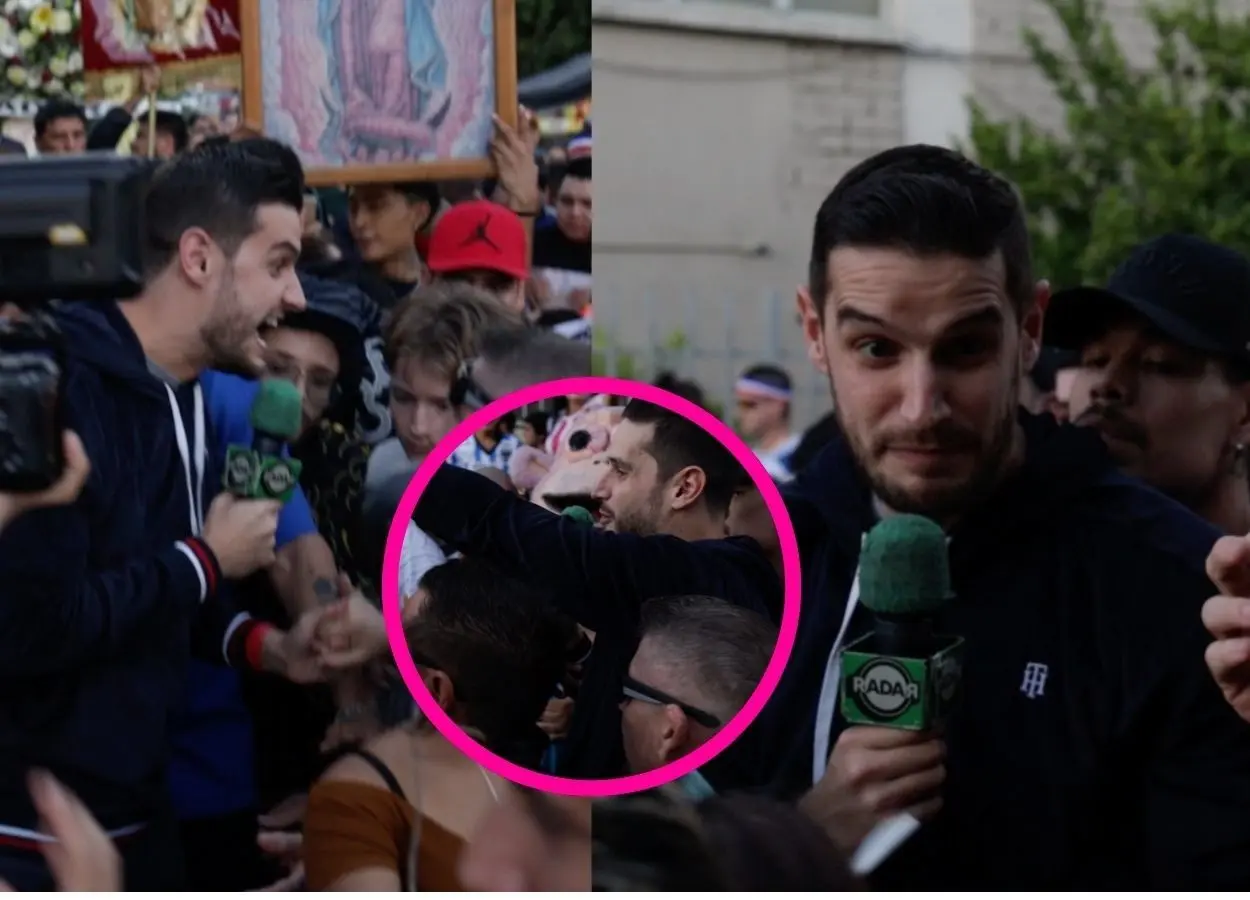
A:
[381,90]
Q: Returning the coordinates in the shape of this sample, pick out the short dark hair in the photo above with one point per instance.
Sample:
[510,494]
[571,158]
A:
[58,109]
[727,648]
[925,200]
[578,168]
[677,443]
[219,188]
[769,374]
[527,356]
[498,640]
[172,124]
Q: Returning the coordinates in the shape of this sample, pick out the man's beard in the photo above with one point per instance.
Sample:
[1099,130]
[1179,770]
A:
[229,333]
[644,520]
[948,501]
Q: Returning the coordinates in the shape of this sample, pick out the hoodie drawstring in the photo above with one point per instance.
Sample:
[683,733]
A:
[195,475]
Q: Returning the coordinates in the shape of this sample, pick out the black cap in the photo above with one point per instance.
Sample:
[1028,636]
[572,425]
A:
[1193,291]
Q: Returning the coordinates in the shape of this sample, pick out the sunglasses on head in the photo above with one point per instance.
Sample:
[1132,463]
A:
[632,689]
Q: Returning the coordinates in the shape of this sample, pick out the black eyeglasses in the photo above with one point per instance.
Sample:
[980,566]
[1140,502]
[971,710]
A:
[467,392]
[632,689]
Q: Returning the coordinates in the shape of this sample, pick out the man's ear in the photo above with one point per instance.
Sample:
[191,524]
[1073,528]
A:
[1031,327]
[811,321]
[674,735]
[196,256]
[687,487]
[439,684]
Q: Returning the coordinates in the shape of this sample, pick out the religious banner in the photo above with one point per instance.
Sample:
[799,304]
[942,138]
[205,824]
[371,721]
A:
[127,34]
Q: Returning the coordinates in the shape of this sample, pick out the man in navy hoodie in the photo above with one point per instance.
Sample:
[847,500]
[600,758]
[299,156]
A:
[1091,749]
[100,597]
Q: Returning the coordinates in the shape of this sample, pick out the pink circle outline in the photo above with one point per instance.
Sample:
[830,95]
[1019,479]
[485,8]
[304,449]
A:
[602,787]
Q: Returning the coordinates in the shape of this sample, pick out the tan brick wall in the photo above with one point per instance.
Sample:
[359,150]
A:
[695,172]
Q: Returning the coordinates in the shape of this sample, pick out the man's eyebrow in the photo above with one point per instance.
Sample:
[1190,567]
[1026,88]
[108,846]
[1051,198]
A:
[991,314]
[285,247]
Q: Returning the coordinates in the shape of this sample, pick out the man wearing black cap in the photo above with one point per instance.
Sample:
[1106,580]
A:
[1165,370]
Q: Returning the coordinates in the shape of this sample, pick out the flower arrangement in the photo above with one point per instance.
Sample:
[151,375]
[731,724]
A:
[39,49]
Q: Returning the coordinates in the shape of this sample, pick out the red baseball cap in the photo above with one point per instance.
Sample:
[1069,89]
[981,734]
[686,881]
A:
[478,235]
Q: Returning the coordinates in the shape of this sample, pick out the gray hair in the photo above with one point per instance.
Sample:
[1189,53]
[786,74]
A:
[521,357]
[722,650]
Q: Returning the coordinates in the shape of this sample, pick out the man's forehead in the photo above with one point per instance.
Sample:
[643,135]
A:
[896,275]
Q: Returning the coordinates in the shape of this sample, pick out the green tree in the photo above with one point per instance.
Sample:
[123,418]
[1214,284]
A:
[1143,151]
[550,32]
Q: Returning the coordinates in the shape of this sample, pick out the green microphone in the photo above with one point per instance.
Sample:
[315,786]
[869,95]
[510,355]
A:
[579,514]
[903,674]
[261,471]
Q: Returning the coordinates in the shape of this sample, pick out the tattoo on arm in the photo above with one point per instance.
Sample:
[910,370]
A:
[324,589]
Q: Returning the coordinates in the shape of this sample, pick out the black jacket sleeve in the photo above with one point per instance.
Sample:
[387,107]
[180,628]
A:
[1195,751]
[60,607]
[106,133]
[600,578]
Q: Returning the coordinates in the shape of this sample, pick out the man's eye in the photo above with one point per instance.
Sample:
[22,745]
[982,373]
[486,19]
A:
[875,348]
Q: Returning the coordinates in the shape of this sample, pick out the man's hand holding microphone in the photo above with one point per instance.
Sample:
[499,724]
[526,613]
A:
[897,686]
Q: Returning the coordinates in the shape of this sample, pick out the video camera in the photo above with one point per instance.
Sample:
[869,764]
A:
[71,229]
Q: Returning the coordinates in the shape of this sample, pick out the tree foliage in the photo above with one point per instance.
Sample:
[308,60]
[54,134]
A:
[1142,152]
[550,32]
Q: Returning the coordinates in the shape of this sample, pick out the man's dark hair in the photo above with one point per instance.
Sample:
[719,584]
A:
[927,201]
[497,639]
[724,648]
[578,168]
[685,388]
[769,374]
[677,443]
[525,356]
[218,188]
[174,125]
[57,109]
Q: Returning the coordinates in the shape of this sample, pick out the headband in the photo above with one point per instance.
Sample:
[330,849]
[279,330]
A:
[762,389]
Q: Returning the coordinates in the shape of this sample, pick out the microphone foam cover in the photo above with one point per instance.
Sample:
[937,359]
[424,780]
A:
[903,567]
[278,409]
[579,513]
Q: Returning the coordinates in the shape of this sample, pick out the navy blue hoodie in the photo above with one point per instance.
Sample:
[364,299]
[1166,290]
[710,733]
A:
[1128,769]
[99,599]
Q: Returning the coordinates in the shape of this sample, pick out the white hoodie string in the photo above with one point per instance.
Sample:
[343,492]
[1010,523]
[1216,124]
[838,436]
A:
[195,474]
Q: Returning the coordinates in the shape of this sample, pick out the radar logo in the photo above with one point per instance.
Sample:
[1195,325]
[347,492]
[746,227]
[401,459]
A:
[884,689]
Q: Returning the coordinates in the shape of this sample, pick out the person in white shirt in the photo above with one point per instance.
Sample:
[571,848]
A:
[489,446]
[763,394]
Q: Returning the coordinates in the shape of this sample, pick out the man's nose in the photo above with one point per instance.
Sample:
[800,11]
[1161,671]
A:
[923,393]
[294,299]
[1114,383]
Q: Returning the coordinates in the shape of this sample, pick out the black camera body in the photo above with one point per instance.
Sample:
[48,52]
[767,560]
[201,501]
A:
[71,229]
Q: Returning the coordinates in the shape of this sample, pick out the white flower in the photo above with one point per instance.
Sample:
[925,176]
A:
[41,19]
[74,63]
[16,75]
[57,66]
[8,40]
[55,86]
[26,40]
[62,22]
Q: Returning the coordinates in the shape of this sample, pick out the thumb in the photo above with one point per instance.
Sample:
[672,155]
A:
[346,588]
[1228,566]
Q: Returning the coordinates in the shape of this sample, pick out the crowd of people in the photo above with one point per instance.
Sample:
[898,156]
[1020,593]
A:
[188,664]
[1085,452]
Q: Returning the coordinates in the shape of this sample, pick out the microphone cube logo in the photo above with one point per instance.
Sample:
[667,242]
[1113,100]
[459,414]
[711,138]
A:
[885,688]
[898,691]
[278,478]
[240,471]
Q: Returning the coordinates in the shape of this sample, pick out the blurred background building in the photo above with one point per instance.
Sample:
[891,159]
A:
[724,123]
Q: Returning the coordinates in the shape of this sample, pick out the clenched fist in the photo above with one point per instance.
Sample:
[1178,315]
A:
[875,773]
[241,533]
